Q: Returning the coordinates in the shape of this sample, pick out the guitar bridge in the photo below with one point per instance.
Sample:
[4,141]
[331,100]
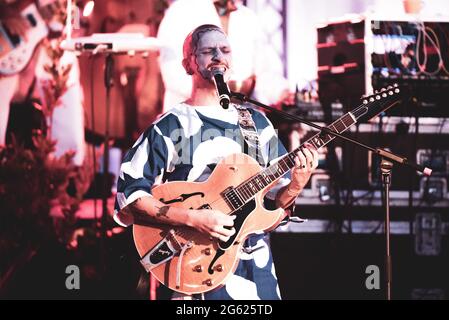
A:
[163,251]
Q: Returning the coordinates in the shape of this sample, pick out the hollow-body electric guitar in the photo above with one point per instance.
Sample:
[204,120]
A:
[191,262]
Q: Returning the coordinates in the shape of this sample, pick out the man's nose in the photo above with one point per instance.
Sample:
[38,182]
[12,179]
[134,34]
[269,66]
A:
[218,55]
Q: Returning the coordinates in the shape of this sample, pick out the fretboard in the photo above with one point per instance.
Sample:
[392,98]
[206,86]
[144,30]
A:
[246,190]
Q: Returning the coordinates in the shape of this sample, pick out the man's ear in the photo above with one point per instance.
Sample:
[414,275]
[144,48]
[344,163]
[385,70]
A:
[186,65]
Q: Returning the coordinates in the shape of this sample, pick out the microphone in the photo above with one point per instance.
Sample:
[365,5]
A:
[222,88]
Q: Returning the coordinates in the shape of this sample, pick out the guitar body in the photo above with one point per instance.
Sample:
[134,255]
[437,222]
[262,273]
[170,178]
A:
[15,52]
[208,262]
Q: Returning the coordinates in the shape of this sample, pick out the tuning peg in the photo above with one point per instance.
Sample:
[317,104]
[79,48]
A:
[383,89]
[365,101]
[395,85]
[371,99]
[378,97]
[384,95]
[396,90]
[390,92]
[389,87]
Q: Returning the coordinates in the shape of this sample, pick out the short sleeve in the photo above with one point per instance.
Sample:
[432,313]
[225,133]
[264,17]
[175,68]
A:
[142,167]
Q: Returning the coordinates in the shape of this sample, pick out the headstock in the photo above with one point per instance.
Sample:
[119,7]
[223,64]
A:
[382,94]
[379,102]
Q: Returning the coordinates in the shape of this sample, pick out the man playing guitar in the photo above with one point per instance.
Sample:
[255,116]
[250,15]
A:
[186,144]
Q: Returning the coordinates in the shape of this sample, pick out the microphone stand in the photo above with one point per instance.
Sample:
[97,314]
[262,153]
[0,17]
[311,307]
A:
[386,165]
[108,83]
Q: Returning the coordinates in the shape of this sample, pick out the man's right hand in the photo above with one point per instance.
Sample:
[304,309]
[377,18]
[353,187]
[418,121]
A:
[213,223]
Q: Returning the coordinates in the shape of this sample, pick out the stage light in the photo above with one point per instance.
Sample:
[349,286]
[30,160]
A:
[88,8]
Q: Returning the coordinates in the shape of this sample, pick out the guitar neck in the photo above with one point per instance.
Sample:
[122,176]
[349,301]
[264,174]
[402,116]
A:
[249,188]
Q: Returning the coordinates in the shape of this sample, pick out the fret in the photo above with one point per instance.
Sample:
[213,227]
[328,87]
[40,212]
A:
[252,186]
[339,126]
[331,127]
[269,174]
[284,164]
[349,120]
[328,136]
[274,170]
[245,191]
[262,182]
[313,142]
[343,122]
[236,196]
[258,182]
[280,169]
[318,142]
[353,118]
[291,158]
[241,191]
[248,190]
[239,196]
[266,177]
[255,183]
[269,171]
[325,138]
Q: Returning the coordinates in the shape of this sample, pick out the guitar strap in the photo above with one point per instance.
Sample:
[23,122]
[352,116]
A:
[250,135]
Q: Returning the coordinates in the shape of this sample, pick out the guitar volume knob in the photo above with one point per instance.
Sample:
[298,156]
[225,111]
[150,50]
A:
[198,268]
[208,282]
[207,251]
[219,268]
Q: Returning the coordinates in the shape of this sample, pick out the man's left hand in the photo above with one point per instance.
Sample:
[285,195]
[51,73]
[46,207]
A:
[306,161]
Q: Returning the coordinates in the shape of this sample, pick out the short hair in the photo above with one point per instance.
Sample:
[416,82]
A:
[193,37]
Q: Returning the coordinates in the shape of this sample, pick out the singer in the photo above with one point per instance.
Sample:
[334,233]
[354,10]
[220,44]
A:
[187,142]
